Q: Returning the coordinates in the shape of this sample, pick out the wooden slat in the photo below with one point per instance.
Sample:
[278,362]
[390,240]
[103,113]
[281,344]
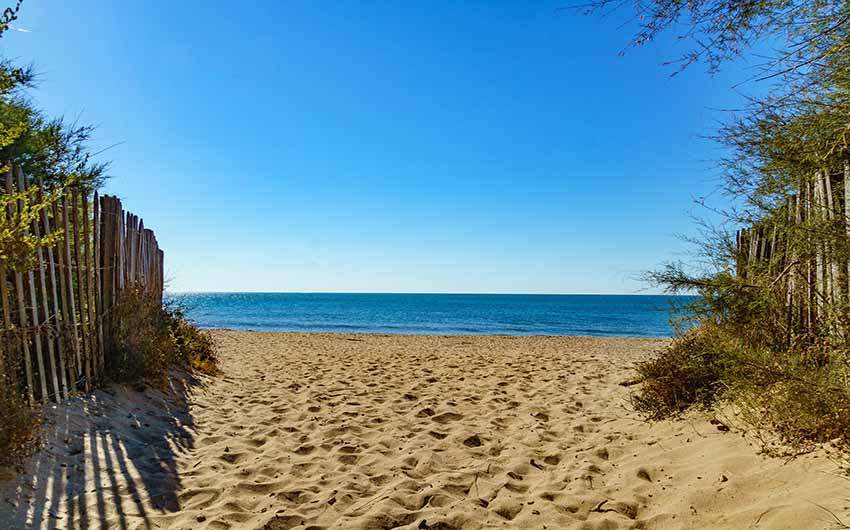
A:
[128,247]
[88,291]
[7,321]
[11,345]
[801,300]
[834,283]
[69,280]
[44,302]
[22,312]
[820,279]
[81,290]
[132,228]
[161,286]
[36,331]
[790,282]
[140,253]
[137,236]
[811,316]
[98,300]
[122,261]
[109,234]
[67,315]
[57,310]
[846,175]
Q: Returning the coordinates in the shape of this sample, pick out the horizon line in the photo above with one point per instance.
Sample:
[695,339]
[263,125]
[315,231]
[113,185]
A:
[425,293]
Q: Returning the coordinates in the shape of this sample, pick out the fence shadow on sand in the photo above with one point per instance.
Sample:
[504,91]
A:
[108,461]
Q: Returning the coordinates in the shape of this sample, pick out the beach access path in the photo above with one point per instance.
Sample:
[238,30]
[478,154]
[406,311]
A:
[342,431]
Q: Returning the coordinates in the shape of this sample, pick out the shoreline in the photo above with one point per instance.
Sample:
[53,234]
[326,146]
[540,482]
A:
[441,335]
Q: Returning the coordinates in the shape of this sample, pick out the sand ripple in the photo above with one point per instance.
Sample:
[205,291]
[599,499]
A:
[320,432]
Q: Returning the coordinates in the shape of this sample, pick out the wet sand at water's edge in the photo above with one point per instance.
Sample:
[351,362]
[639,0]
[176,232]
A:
[333,431]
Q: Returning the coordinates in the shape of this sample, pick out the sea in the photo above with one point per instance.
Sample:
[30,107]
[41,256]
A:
[440,314]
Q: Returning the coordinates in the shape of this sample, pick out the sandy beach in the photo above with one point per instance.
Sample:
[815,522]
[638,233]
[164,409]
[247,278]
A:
[332,431]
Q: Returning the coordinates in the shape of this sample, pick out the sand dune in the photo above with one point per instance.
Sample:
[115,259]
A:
[325,431]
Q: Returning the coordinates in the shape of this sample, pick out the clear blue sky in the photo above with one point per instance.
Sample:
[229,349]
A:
[385,146]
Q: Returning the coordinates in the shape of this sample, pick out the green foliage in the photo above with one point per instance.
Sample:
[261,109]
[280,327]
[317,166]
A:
[800,395]
[814,31]
[18,245]
[149,339]
[194,348]
[688,373]
[750,308]
[785,371]
[47,148]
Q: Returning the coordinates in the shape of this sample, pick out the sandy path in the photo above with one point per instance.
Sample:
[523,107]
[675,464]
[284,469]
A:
[326,431]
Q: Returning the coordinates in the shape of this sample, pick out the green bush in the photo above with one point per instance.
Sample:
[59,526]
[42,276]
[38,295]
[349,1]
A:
[194,348]
[800,395]
[688,373]
[148,338]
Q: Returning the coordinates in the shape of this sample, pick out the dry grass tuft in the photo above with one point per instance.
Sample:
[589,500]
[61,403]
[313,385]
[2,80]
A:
[803,396]
[149,338]
[20,428]
[688,373]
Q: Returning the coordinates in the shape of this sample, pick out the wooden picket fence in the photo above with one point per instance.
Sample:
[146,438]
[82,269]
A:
[55,329]
[812,276]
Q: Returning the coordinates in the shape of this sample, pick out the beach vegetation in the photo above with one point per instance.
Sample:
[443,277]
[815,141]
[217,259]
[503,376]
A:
[769,334]
[19,431]
[806,36]
[798,398]
[149,337]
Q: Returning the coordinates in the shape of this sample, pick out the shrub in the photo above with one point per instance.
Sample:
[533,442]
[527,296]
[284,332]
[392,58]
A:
[689,372]
[148,338]
[194,348]
[801,396]
[20,426]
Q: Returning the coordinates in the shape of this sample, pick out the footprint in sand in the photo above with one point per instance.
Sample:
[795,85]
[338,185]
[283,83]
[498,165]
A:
[447,417]
[516,488]
[552,460]
[508,511]
[348,459]
[305,450]
[284,522]
[473,441]
[426,412]
[541,416]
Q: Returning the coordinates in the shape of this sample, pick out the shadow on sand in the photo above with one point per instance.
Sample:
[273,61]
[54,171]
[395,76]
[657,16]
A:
[108,459]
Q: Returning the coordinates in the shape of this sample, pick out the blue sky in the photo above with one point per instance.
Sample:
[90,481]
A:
[385,146]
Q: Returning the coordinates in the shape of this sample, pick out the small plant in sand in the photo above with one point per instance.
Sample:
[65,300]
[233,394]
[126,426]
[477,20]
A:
[800,397]
[149,338]
[19,432]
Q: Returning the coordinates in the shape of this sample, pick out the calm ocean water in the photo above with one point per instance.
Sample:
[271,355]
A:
[485,314]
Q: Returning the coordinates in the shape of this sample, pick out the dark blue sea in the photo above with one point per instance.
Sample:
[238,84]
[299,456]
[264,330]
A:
[451,314]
